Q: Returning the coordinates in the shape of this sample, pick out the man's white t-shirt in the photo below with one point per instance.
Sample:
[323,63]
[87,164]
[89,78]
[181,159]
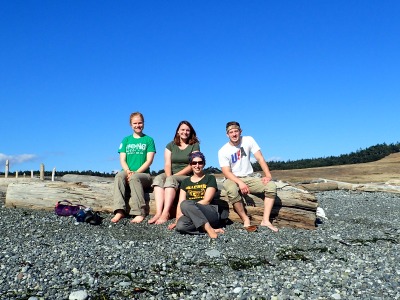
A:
[238,157]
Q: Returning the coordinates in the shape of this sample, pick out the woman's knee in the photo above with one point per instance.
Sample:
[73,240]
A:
[159,180]
[186,205]
[171,182]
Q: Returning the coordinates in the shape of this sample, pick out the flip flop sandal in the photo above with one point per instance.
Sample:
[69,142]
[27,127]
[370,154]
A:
[251,228]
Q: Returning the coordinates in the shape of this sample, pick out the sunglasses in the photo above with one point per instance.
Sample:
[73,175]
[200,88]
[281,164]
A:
[193,163]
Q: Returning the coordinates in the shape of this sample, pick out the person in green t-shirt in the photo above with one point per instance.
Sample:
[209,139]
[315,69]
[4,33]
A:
[136,154]
[195,213]
[176,168]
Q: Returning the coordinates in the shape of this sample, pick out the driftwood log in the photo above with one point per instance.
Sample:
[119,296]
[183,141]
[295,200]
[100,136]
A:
[294,207]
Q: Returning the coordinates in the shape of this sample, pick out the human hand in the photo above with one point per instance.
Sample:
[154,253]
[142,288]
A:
[244,188]
[265,180]
[128,175]
[171,226]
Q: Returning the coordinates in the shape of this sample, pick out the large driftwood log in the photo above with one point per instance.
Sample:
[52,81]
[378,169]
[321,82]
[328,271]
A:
[321,184]
[294,207]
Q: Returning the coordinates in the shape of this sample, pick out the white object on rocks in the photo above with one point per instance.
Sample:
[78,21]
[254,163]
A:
[321,213]
[213,253]
[78,295]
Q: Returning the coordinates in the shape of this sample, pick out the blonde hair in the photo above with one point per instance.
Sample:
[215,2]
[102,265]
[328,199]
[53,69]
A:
[134,114]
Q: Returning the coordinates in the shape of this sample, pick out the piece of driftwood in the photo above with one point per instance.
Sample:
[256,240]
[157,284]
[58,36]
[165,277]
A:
[321,184]
[294,207]
[318,187]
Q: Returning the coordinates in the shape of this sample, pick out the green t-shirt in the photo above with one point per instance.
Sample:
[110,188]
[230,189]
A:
[196,190]
[180,158]
[136,150]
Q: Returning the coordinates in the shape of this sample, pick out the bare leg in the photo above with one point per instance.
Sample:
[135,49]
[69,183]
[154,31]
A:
[119,214]
[137,219]
[159,198]
[268,204]
[212,233]
[168,201]
[238,207]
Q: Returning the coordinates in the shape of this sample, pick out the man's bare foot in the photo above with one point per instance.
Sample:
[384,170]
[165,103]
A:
[118,216]
[162,220]
[137,219]
[270,226]
[246,223]
[153,219]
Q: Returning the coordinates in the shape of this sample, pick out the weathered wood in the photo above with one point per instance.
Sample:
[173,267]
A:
[326,185]
[293,207]
[323,186]
[7,168]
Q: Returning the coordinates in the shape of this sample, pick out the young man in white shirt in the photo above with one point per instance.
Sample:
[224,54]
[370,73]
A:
[234,160]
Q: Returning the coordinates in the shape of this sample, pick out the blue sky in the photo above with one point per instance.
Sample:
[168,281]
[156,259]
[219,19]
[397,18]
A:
[306,79]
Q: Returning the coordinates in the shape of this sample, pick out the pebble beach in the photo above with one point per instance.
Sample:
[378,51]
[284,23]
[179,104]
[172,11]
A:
[354,254]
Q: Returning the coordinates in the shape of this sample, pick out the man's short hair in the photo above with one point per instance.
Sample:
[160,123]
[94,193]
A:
[232,125]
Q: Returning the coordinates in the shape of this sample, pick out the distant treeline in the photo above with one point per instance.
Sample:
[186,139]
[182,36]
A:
[370,154]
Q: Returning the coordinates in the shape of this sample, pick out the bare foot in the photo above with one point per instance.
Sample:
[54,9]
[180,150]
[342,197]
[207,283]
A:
[270,226]
[246,223]
[162,220]
[212,233]
[153,219]
[118,216]
[137,219]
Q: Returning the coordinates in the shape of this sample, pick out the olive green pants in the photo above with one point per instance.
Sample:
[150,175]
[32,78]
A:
[134,204]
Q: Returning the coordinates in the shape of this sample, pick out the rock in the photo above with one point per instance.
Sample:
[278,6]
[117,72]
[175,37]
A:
[78,295]
[213,253]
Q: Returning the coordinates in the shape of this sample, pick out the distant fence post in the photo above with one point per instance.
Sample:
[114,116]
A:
[41,171]
[7,168]
[53,174]
[31,173]
[16,174]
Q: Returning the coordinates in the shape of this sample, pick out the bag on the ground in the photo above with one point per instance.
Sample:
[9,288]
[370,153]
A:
[87,215]
[66,208]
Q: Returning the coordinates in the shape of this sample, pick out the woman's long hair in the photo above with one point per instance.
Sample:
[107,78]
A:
[192,139]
